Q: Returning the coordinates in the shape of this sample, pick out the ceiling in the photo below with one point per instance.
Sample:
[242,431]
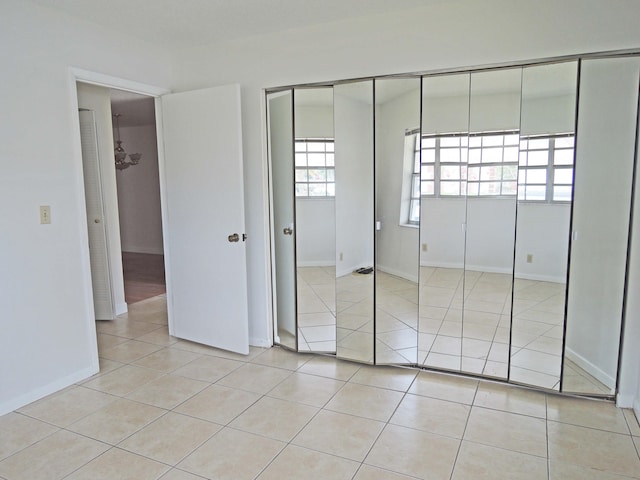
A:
[190,23]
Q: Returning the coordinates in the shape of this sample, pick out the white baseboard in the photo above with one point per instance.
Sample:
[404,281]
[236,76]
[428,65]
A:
[591,369]
[625,401]
[121,308]
[317,263]
[508,271]
[260,342]
[151,250]
[9,405]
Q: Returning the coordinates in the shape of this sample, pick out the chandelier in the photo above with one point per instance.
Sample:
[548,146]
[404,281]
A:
[121,155]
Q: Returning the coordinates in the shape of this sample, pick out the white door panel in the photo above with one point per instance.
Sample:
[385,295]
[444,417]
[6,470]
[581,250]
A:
[103,303]
[204,205]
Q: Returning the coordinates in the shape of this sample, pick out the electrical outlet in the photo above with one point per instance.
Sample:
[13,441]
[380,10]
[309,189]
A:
[45,214]
[529,258]
[424,247]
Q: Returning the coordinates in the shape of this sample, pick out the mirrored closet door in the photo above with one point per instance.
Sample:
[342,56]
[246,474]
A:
[474,222]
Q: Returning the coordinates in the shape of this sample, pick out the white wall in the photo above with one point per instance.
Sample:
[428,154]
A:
[48,335]
[397,244]
[139,193]
[97,99]
[353,122]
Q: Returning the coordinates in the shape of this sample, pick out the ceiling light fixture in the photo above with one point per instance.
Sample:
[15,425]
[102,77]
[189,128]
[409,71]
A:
[121,155]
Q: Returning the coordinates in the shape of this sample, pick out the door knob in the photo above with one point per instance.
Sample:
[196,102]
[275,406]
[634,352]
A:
[287,231]
[234,237]
[97,220]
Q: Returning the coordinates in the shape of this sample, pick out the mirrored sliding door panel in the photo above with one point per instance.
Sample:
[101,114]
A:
[605,151]
[491,174]
[397,172]
[355,274]
[280,138]
[545,177]
[315,183]
[441,149]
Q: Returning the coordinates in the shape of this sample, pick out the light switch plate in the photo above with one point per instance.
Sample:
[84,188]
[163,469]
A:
[45,214]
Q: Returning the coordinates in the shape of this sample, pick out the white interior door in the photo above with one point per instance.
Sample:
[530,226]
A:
[205,250]
[103,303]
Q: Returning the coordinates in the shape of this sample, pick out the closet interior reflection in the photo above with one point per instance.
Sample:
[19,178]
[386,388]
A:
[474,222]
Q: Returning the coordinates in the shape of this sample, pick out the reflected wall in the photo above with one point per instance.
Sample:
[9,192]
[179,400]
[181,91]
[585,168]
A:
[397,117]
[354,171]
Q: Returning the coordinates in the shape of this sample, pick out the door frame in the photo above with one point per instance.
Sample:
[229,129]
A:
[99,79]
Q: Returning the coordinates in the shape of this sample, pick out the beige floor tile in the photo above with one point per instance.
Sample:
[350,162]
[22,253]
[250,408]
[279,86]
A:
[281,358]
[586,413]
[393,378]
[52,458]
[413,452]
[432,415]
[116,421]
[330,367]
[216,352]
[481,462]
[68,406]
[19,431]
[123,380]
[170,438]
[167,359]
[232,455]
[274,418]
[255,378]
[507,430]
[208,369]
[307,389]
[119,464]
[512,399]
[129,352]
[158,337]
[445,387]
[361,400]
[611,452]
[106,341]
[636,441]
[218,404]
[566,471]
[124,327]
[632,421]
[340,434]
[168,391]
[176,474]
[299,463]
[368,472]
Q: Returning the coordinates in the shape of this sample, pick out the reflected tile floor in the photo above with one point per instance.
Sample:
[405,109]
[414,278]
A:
[163,408]
[476,340]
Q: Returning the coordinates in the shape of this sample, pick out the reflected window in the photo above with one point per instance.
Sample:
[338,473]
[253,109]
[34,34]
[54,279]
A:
[315,168]
[546,168]
[492,164]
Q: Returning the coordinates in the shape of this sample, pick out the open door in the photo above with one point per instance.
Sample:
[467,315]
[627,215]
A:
[205,249]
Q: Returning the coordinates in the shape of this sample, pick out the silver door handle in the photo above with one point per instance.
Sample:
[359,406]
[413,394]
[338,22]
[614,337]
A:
[234,237]
[288,231]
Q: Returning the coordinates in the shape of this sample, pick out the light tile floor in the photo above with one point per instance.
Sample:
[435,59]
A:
[162,408]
